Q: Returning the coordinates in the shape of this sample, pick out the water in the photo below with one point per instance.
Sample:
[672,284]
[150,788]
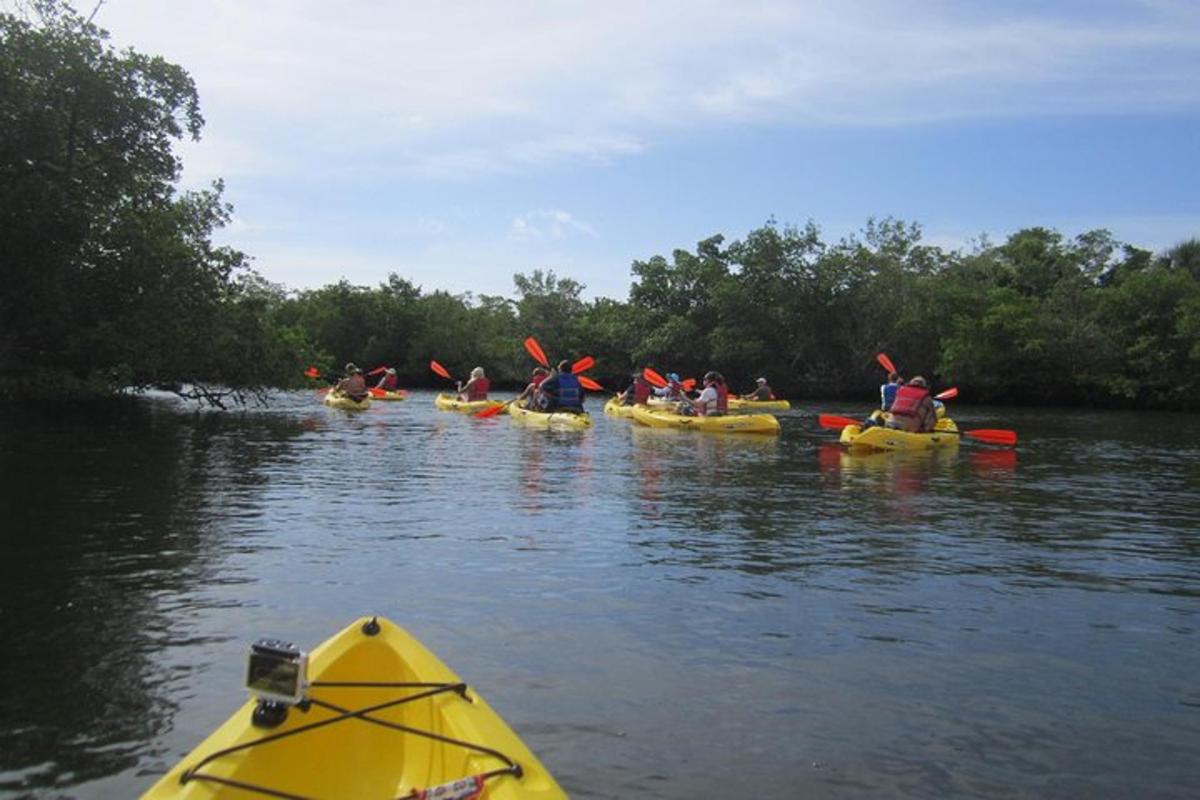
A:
[657,613]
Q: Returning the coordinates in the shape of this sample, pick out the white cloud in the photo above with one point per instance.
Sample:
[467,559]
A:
[549,224]
[478,87]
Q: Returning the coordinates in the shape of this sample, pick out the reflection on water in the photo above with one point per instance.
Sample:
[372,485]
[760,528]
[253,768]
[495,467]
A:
[655,611]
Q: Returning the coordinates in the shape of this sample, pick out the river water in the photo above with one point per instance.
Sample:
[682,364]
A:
[659,614]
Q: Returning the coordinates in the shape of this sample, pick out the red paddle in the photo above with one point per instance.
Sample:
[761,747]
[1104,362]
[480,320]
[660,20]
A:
[492,411]
[653,377]
[993,436]
[582,365]
[835,422]
[885,362]
[590,384]
[949,394]
[440,370]
[535,350]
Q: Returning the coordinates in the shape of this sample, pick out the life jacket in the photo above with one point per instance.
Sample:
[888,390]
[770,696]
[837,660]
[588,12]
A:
[355,387]
[887,395]
[388,383]
[908,399]
[721,406]
[570,393]
[640,393]
[478,390]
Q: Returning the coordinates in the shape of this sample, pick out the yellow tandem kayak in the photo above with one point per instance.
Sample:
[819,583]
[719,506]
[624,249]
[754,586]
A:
[878,437]
[335,399]
[738,404]
[386,719]
[559,419]
[615,409]
[450,402]
[730,423]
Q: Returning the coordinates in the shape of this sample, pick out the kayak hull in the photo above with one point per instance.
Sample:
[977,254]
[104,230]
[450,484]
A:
[764,424]
[359,756]
[398,394]
[879,437]
[737,404]
[450,402]
[562,420]
[615,409]
[338,400]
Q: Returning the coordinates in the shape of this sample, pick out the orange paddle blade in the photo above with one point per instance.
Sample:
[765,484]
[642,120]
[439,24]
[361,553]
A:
[440,370]
[583,364]
[376,391]
[885,362]
[993,436]
[535,350]
[590,384]
[835,422]
[689,384]
[653,377]
[312,372]
[949,394]
[491,411]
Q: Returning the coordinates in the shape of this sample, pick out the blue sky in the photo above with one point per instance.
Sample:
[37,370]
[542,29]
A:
[456,144]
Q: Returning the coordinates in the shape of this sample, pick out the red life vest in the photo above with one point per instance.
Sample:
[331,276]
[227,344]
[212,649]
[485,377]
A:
[388,383]
[722,404]
[908,398]
[641,392]
[478,390]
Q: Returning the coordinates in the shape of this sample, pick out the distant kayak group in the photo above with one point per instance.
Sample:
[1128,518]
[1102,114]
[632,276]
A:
[910,417]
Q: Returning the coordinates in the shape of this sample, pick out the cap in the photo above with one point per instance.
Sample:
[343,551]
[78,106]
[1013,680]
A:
[391,370]
[673,376]
[918,381]
[760,380]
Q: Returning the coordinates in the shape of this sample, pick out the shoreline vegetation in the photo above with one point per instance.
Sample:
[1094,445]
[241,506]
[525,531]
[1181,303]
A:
[111,280]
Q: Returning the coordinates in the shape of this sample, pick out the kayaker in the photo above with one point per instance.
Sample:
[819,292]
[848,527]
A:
[761,393]
[638,392]
[562,391]
[528,397]
[389,380]
[714,398]
[913,410]
[476,388]
[674,388]
[352,385]
[887,392]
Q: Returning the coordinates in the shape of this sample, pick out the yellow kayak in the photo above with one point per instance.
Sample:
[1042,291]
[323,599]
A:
[396,394]
[879,437]
[450,402]
[738,404]
[387,719]
[559,419]
[730,423]
[615,409]
[335,399]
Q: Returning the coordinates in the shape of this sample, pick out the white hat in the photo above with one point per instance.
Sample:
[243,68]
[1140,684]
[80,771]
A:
[760,380]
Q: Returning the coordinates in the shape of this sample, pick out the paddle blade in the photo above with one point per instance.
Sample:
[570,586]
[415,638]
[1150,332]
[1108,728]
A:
[689,384]
[835,422]
[885,362]
[535,350]
[590,384]
[312,372]
[993,436]
[376,392]
[583,364]
[654,378]
[949,394]
[490,411]
[440,370]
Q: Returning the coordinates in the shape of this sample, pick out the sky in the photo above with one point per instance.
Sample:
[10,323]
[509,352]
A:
[455,144]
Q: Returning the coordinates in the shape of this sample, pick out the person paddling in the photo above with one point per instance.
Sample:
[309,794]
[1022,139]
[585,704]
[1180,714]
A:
[714,399]
[476,388]
[352,385]
[638,392]
[528,397]
[761,393]
[673,390]
[887,392]
[562,390]
[389,381]
[913,410]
